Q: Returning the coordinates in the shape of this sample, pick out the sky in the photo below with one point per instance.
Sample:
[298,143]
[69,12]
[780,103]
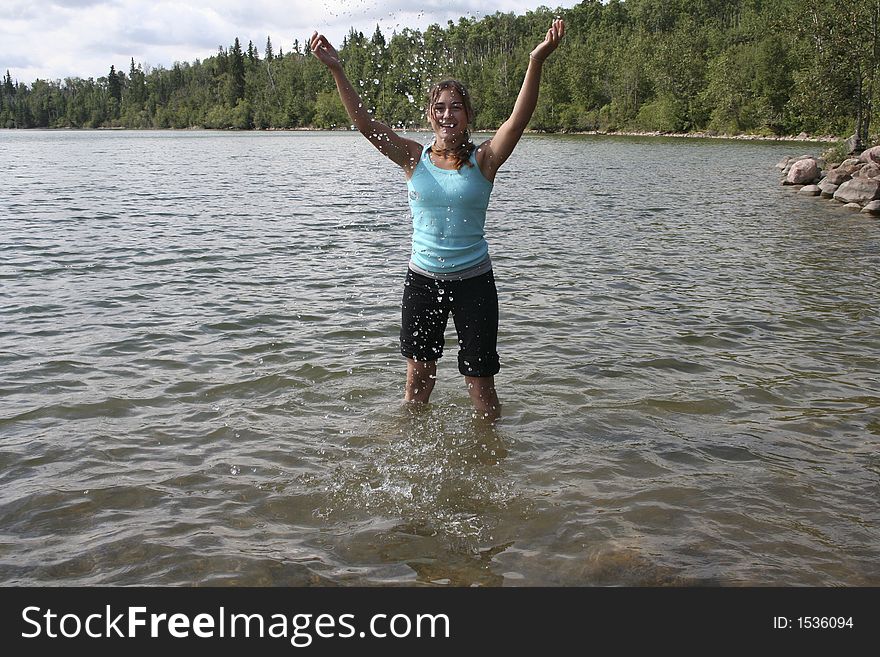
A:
[55,39]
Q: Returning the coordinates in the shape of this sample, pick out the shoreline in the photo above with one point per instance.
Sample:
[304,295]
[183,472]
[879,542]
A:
[803,137]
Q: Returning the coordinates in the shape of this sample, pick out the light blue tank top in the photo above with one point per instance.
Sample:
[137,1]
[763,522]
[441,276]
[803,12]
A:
[448,214]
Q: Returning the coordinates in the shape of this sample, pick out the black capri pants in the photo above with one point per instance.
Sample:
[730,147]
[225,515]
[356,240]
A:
[473,303]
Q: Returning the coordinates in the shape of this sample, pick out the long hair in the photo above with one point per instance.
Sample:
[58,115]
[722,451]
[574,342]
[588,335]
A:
[462,154]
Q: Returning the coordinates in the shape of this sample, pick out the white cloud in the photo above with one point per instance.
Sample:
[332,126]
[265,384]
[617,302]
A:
[62,38]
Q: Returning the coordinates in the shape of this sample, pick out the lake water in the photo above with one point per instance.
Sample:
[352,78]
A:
[200,381]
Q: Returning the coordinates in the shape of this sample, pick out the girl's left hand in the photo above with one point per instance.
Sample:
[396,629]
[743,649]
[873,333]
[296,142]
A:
[550,42]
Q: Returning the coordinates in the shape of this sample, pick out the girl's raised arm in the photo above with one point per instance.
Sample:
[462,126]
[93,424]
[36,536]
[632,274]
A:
[403,152]
[499,148]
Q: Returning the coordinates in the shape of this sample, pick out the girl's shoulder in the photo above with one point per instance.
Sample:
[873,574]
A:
[415,152]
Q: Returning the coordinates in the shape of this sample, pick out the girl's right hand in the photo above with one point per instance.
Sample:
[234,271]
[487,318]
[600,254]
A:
[324,51]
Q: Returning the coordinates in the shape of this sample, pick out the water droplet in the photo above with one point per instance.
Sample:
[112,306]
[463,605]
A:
[415,333]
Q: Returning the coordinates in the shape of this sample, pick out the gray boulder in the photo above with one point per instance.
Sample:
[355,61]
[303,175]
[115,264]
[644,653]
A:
[827,188]
[851,167]
[803,172]
[873,208]
[789,162]
[858,190]
[810,190]
[852,144]
[838,176]
[870,170]
[870,155]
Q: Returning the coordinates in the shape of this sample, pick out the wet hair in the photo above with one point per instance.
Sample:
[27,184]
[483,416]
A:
[461,154]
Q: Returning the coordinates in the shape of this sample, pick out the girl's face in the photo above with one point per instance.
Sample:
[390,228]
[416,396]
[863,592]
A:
[448,115]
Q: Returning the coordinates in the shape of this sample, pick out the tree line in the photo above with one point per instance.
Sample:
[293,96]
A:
[768,67]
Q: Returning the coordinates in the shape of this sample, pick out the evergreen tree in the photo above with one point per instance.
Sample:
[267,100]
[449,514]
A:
[114,86]
[236,68]
[137,88]
[378,39]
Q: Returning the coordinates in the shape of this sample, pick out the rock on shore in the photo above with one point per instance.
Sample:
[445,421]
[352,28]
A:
[855,182]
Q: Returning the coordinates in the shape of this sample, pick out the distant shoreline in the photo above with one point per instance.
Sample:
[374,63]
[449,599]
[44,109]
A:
[709,135]
[600,133]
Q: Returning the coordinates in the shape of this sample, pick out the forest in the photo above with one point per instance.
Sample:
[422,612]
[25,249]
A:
[761,67]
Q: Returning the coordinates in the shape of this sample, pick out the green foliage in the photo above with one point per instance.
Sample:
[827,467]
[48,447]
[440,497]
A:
[737,91]
[663,113]
[837,88]
[730,66]
[836,153]
[329,112]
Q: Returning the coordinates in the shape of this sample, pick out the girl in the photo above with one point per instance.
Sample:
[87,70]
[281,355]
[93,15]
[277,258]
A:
[449,183]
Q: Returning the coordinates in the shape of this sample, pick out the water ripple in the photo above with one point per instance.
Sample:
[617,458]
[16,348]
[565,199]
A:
[200,383]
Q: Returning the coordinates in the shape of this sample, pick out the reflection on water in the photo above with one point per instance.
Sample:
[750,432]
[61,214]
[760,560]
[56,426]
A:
[200,382]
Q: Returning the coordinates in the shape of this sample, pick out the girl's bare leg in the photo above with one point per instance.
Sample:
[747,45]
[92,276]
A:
[420,379]
[483,395]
